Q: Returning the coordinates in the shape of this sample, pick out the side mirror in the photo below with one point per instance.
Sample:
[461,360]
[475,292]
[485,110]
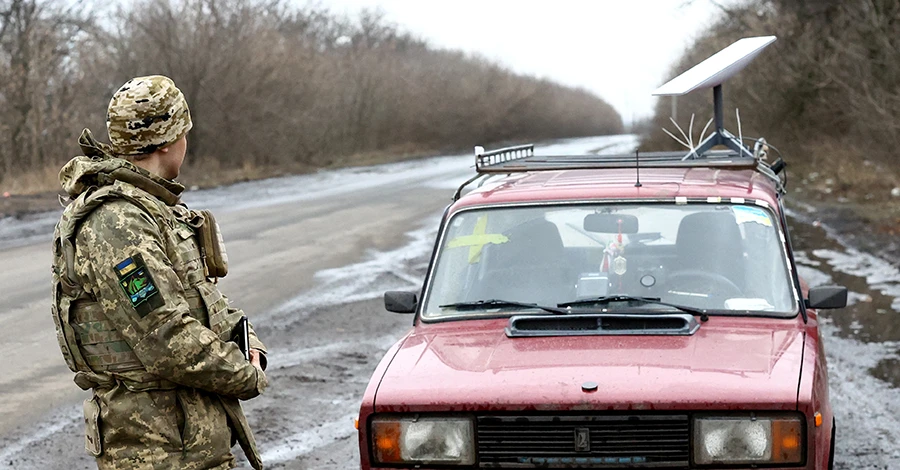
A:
[400,301]
[827,297]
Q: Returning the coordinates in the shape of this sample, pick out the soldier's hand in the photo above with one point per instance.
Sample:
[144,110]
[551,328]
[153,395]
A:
[254,358]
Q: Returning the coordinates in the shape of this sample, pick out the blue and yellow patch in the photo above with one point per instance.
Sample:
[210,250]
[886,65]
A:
[136,281]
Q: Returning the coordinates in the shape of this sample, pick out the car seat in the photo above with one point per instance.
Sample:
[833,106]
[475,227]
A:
[710,242]
[530,267]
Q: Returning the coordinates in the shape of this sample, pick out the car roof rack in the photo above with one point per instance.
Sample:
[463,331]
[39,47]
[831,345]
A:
[708,74]
[522,158]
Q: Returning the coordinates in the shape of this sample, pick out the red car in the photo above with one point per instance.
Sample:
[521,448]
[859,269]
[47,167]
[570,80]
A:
[637,311]
[631,311]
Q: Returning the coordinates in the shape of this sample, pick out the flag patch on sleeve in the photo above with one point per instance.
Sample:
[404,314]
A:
[136,281]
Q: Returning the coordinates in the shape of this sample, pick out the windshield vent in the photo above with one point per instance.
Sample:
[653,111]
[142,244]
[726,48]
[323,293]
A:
[678,324]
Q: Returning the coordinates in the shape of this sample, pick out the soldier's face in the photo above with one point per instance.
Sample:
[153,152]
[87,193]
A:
[173,159]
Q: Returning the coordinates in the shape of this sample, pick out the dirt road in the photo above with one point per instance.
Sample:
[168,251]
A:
[310,257]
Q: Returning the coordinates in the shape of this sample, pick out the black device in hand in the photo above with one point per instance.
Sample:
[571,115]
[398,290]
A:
[241,336]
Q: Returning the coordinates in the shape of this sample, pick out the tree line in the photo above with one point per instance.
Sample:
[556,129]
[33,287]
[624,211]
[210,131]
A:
[269,84]
[828,91]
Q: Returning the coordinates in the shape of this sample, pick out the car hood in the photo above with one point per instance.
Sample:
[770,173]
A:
[729,363]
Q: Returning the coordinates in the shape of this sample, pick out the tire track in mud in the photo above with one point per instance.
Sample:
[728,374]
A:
[318,377]
[12,453]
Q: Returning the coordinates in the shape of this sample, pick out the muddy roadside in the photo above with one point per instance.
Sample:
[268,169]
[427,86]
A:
[872,227]
[20,205]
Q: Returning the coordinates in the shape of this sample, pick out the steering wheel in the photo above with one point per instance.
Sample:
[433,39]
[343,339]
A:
[707,282]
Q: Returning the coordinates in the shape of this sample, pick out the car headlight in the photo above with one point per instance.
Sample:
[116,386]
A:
[432,440]
[748,440]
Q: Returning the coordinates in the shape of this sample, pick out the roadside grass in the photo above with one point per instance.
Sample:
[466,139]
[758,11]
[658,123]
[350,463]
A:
[396,153]
[37,190]
[31,182]
[210,172]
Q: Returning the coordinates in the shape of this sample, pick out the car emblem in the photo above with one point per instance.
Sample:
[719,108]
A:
[582,439]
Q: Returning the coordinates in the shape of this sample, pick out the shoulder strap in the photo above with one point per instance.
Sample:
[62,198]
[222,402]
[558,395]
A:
[79,210]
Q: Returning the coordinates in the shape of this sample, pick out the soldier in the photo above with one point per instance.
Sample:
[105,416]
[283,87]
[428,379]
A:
[138,316]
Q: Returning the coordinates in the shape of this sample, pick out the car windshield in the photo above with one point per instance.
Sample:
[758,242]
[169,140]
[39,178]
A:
[725,258]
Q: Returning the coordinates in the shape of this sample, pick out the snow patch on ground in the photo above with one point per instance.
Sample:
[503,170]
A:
[67,418]
[308,440]
[878,273]
[367,279]
[862,402]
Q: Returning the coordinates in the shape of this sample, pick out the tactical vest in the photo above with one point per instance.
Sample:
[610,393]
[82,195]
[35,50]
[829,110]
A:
[90,344]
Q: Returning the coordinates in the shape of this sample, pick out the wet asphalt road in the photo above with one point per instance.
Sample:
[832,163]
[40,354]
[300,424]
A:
[310,257]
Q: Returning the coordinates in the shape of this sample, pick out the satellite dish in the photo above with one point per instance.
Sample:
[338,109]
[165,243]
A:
[717,68]
[710,74]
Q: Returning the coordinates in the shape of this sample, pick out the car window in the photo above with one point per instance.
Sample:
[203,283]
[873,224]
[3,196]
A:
[724,257]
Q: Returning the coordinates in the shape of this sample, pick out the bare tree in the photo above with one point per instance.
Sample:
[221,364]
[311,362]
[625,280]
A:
[827,93]
[269,85]
[37,92]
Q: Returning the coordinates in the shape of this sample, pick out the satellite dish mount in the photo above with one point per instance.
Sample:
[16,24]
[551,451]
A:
[711,73]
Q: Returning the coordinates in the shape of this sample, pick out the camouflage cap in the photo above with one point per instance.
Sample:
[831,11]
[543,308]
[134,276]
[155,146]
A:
[146,114]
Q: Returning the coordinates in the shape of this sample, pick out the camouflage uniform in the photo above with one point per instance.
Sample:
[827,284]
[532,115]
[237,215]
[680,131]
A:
[137,318]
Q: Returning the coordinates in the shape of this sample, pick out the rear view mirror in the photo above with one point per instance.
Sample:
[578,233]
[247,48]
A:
[400,301]
[827,297]
[611,223]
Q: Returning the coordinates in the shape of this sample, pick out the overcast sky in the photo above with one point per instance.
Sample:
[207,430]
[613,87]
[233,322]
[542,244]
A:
[619,49]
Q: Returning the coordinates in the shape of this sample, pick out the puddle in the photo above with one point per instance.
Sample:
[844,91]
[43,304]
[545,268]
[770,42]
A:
[874,284]
[873,313]
[888,369]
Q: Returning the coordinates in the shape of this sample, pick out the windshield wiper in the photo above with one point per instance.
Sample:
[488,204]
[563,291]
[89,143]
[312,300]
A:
[480,304]
[628,298]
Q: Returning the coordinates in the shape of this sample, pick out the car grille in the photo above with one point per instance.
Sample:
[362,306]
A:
[585,441]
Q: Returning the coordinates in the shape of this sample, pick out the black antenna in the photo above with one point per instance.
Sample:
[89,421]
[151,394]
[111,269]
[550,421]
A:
[637,162]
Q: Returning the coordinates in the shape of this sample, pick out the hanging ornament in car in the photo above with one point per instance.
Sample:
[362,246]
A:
[619,265]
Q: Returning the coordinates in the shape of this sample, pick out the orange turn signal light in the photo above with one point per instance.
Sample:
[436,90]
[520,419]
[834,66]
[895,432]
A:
[818,419]
[786,444]
[386,437]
